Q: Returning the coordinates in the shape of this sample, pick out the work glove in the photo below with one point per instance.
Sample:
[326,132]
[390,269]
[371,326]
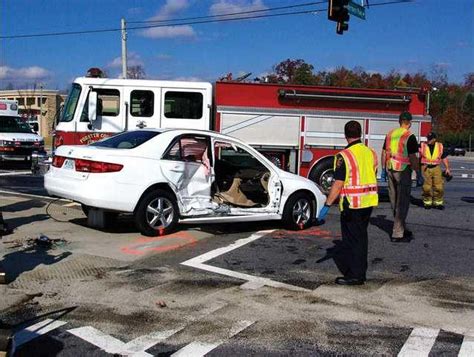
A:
[419,179]
[383,175]
[324,212]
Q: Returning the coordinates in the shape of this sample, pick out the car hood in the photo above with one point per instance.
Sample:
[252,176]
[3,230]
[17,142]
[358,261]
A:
[20,137]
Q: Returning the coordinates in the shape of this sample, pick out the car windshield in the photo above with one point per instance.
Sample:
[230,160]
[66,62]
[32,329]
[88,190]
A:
[13,125]
[71,103]
[127,140]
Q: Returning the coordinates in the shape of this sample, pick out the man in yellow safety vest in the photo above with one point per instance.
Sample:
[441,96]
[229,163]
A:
[398,160]
[356,185]
[432,155]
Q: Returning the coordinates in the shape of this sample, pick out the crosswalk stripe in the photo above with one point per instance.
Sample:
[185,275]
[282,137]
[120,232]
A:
[200,348]
[105,342]
[467,347]
[36,330]
[137,346]
[419,343]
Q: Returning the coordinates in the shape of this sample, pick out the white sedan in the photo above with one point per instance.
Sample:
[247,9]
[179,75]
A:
[163,177]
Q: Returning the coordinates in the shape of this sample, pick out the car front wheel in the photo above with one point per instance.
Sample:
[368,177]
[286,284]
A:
[299,211]
[157,213]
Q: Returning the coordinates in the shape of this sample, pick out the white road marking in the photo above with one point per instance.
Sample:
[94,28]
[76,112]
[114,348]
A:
[36,330]
[105,342]
[141,344]
[15,173]
[198,263]
[467,347]
[419,343]
[199,348]
[71,204]
[464,175]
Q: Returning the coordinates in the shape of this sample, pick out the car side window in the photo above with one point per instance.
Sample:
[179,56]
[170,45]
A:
[108,104]
[189,149]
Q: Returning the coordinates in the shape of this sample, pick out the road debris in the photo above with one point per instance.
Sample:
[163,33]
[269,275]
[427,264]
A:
[41,241]
[161,304]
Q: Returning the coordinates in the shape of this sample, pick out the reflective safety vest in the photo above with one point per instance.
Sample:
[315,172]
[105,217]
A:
[431,159]
[396,149]
[360,185]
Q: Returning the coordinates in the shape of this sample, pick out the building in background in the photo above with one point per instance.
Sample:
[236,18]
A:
[36,105]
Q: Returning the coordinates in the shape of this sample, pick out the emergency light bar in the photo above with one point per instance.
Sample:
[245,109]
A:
[297,94]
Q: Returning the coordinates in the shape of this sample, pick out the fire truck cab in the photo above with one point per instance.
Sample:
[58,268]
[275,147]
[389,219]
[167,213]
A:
[99,107]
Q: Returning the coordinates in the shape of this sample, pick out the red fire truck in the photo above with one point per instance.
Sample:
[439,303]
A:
[299,128]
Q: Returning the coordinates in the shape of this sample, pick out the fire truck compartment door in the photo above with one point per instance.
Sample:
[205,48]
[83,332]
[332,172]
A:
[262,129]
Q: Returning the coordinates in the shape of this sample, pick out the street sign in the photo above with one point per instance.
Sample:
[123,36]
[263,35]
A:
[356,10]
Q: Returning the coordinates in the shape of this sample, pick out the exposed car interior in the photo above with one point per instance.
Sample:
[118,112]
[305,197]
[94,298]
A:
[240,179]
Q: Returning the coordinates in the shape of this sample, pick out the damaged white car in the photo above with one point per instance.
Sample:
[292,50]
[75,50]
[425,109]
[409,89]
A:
[166,177]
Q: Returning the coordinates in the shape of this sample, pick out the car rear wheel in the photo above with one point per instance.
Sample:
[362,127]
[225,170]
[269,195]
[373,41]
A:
[157,213]
[299,211]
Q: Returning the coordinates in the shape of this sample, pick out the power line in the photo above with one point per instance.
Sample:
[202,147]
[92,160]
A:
[232,14]
[66,33]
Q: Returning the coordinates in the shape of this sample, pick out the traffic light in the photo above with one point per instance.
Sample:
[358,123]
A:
[338,12]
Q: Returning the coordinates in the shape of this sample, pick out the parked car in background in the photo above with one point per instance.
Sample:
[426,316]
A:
[456,151]
[166,176]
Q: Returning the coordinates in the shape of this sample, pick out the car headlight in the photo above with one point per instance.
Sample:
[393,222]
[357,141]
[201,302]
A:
[6,143]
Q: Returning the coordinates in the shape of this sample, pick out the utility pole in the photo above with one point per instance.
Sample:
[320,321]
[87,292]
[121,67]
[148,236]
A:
[41,110]
[124,49]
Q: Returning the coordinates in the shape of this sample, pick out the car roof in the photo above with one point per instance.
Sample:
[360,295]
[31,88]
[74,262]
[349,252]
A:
[179,131]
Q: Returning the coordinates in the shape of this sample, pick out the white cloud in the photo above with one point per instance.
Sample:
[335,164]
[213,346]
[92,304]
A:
[135,11]
[133,59]
[24,73]
[221,7]
[443,65]
[169,32]
[168,11]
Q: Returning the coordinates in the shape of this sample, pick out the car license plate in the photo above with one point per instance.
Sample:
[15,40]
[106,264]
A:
[68,164]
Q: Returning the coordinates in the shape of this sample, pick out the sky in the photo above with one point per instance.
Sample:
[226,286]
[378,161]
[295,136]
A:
[407,37]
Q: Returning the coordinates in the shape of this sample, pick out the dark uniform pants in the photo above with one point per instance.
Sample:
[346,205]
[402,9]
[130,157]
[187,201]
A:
[433,186]
[351,257]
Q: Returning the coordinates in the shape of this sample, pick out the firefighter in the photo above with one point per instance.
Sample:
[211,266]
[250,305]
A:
[432,155]
[399,158]
[356,185]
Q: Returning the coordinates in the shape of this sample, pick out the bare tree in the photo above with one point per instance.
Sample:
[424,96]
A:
[136,72]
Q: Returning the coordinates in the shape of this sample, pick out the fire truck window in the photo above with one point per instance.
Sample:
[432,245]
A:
[183,105]
[108,104]
[141,103]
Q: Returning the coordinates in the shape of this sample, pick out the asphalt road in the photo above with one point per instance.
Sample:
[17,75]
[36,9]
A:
[240,289]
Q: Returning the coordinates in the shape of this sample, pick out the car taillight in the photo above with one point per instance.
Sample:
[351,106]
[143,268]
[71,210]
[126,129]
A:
[96,166]
[58,161]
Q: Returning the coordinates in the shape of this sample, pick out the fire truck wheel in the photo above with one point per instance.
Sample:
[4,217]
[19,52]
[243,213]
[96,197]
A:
[323,175]
[156,213]
[299,211]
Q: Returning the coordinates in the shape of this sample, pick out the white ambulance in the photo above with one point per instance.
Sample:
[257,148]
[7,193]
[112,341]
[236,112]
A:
[17,140]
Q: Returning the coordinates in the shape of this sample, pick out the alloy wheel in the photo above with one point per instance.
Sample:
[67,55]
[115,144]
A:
[301,211]
[159,213]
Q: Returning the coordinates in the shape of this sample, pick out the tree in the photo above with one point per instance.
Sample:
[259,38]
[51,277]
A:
[9,86]
[294,71]
[136,72]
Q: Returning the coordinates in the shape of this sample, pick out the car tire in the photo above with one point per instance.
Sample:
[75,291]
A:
[323,175]
[299,205]
[148,210]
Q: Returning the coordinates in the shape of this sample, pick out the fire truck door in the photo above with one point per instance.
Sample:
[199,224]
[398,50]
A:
[109,112]
[143,107]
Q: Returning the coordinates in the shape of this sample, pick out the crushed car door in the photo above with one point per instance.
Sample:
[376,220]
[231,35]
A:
[187,167]
[243,180]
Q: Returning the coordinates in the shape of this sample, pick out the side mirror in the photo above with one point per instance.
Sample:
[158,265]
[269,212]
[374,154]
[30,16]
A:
[35,127]
[92,108]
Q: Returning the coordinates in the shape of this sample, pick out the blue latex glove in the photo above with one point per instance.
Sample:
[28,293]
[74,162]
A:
[419,179]
[324,212]
[383,175]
